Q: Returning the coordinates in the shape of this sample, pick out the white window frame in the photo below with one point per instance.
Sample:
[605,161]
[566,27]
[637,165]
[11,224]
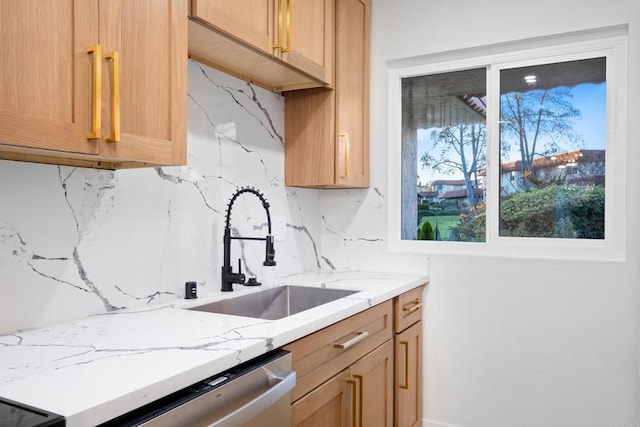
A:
[611,43]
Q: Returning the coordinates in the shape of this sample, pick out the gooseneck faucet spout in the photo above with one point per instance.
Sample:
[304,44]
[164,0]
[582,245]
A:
[228,276]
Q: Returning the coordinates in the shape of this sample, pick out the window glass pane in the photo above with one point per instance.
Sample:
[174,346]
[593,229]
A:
[444,156]
[552,150]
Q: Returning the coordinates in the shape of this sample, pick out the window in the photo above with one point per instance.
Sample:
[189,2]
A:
[517,152]
[444,133]
[552,137]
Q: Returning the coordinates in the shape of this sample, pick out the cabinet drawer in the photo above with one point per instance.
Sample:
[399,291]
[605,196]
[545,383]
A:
[319,356]
[407,309]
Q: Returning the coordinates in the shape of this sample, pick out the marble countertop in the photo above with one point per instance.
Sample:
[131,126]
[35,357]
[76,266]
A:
[94,369]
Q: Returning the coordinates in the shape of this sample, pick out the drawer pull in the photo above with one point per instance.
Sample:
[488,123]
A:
[411,308]
[348,343]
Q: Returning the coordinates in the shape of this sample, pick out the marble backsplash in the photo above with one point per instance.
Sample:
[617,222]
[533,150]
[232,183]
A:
[76,241]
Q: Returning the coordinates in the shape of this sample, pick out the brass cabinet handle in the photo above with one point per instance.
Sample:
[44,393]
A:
[115,96]
[278,44]
[346,154]
[408,309]
[359,401]
[353,341]
[354,404]
[356,400]
[406,365]
[288,48]
[96,107]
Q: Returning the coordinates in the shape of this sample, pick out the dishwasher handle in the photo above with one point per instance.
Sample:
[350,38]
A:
[256,406]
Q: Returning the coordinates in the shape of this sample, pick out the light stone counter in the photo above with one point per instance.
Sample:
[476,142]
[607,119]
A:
[97,368]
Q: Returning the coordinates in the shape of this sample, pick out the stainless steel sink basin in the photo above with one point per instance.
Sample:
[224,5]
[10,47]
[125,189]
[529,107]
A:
[275,303]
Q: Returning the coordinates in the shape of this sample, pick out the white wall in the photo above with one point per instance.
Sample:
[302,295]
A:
[513,342]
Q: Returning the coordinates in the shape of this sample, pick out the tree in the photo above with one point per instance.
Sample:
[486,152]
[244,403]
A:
[463,148]
[539,120]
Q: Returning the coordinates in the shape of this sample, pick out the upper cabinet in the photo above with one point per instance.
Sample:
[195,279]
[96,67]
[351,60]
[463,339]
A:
[97,83]
[307,41]
[327,130]
[277,44]
[150,38]
[251,21]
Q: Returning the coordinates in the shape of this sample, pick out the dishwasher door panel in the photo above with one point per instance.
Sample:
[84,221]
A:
[256,394]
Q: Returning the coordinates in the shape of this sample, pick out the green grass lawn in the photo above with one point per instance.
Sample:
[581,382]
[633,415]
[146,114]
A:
[444,223]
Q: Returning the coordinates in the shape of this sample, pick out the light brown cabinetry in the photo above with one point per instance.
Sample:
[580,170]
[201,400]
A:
[331,404]
[277,44]
[408,358]
[99,83]
[372,378]
[345,371]
[327,130]
[307,43]
[358,396]
[353,373]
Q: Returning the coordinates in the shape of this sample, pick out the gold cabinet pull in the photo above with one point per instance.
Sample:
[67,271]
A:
[408,309]
[288,48]
[96,106]
[354,404]
[278,44]
[360,397]
[406,365]
[115,96]
[345,150]
[353,341]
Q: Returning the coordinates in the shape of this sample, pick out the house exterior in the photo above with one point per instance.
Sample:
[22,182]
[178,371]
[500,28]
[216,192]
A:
[454,190]
[582,167]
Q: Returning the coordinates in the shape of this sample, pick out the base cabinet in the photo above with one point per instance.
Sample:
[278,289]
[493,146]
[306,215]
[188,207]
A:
[408,375]
[407,311]
[361,395]
[363,371]
[372,379]
[331,404]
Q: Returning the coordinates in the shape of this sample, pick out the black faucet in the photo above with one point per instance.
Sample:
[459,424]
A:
[228,276]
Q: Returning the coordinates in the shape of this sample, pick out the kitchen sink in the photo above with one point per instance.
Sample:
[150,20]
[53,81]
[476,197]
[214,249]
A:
[275,303]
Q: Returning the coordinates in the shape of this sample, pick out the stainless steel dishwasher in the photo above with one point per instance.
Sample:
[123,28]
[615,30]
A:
[254,394]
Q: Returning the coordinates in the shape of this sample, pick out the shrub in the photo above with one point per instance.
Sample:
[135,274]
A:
[425,231]
[471,227]
[559,211]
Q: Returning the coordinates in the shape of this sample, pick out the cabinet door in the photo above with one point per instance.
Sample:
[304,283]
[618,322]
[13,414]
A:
[327,130]
[46,73]
[352,93]
[408,377]
[373,379]
[328,405]
[307,27]
[150,37]
[251,21]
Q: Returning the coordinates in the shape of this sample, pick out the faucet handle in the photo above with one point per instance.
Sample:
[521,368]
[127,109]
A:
[270,252]
[240,277]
